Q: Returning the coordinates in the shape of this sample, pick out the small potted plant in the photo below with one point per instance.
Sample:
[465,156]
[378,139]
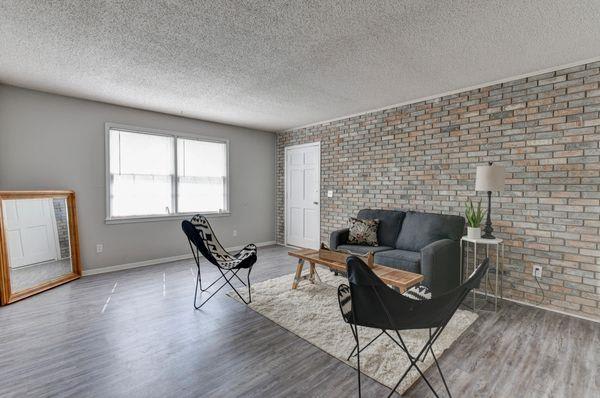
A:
[474,219]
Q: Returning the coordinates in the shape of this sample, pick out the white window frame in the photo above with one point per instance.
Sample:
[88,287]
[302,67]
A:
[150,131]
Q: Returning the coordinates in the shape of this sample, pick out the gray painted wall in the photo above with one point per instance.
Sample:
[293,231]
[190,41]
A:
[54,142]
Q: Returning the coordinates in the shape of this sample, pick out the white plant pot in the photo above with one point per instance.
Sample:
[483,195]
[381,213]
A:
[474,233]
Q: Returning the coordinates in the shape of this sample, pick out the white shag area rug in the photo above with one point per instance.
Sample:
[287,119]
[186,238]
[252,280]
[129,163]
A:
[312,312]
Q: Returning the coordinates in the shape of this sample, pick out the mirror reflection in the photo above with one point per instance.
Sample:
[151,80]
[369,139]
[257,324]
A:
[38,241]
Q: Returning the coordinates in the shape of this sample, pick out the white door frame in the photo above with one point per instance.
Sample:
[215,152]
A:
[285,185]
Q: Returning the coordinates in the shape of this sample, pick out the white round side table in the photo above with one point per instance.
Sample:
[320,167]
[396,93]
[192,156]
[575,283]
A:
[497,267]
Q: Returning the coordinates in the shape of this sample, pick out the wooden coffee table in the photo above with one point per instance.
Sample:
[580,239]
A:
[403,280]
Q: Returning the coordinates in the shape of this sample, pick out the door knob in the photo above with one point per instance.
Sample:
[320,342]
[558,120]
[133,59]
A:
[315,203]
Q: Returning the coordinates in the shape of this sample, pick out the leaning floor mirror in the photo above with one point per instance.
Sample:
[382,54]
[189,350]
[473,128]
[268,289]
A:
[39,245]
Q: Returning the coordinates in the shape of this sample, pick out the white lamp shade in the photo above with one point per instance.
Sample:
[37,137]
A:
[489,178]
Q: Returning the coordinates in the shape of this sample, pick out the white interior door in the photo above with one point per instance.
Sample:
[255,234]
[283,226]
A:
[302,193]
[30,232]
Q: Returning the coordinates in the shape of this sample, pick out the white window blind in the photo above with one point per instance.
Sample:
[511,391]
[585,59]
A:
[201,176]
[161,175]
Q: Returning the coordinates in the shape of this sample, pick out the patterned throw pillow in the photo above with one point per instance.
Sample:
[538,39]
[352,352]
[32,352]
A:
[363,232]
[420,292]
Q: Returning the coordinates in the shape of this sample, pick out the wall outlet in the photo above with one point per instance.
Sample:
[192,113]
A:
[537,271]
[235,232]
[99,248]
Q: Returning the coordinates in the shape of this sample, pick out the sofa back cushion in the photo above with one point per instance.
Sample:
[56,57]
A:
[420,229]
[390,222]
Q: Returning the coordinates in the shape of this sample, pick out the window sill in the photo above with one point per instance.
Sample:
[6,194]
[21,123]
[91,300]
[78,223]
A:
[170,217]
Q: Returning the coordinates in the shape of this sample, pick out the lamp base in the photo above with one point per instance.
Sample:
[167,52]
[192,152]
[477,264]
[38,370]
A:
[487,236]
[488,223]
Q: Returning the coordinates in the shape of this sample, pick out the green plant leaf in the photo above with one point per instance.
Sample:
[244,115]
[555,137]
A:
[474,216]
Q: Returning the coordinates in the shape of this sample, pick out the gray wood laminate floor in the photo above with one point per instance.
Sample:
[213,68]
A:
[135,334]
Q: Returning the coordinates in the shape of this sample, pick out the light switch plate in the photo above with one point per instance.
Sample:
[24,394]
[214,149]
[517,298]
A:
[330,194]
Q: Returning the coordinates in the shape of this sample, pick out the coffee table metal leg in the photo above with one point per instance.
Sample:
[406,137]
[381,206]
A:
[298,275]
[317,277]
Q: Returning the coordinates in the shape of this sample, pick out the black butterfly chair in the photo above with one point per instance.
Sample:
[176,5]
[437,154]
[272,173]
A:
[371,303]
[203,240]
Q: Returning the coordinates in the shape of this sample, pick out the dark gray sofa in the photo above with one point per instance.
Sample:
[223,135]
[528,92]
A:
[424,243]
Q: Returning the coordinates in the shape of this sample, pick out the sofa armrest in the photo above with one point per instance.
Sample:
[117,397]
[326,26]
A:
[440,266]
[338,237]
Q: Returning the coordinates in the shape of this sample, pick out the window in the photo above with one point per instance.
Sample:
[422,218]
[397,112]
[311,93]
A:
[141,174]
[159,174]
[202,175]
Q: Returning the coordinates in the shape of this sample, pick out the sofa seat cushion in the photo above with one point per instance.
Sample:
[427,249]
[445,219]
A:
[362,249]
[390,222]
[420,229]
[401,259]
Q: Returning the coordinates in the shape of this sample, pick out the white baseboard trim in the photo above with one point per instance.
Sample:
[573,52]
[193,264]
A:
[541,307]
[145,263]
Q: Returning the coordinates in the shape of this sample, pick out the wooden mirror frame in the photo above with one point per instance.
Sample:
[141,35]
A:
[6,294]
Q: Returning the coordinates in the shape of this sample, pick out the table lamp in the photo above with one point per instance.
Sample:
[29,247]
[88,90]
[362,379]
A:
[489,178]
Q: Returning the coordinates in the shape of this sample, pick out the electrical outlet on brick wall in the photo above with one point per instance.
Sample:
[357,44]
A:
[537,271]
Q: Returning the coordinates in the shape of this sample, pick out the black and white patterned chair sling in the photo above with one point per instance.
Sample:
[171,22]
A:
[203,240]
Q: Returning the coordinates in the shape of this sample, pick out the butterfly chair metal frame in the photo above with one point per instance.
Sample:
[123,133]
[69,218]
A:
[202,240]
[373,304]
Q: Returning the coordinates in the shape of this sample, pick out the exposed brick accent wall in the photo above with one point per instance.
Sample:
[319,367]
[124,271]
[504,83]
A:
[62,225]
[544,129]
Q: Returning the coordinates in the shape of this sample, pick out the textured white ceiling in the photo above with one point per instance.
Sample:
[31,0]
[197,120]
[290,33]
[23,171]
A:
[280,64]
